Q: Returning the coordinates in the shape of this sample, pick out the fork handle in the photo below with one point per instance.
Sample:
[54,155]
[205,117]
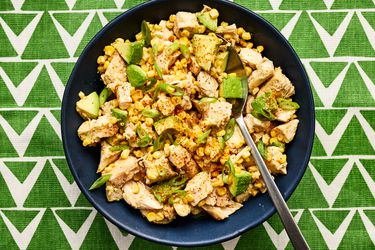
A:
[290,226]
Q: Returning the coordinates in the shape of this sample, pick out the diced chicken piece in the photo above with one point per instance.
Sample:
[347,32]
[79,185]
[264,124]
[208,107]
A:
[187,21]
[164,104]
[194,66]
[165,61]
[248,107]
[237,140]
[107,156]
[129,133]
[123,93]
[186,103]
[257,136]
[199,187]
[202,107]
[139,196]
[90,132]
[230,29]
[283,115]
[108,106]
[164,33]
[263,72]
[214,199]
[208,85]
[221,213]
[235,158]
[115,74]
[160,216]
[276,161]
[182,159]
[255,125]
[158,169]
[241,198]
[250,57]
[217,114]
[113,193]
[279,84]
[181,208]
[285,132]
[124,170]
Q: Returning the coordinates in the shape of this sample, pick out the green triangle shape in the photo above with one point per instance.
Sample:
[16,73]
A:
[82,201]
[255,5]
[354,141]
[47,191]
[328,168]
[331,219]
[56,114]
[21,169]
[45,42]
[91,31]
[111,15]
[276,224]
[19,119]
[369,68]
[139,243]
[63,70]
[329,118]
[328,71]
[330,21]
[307,194]
[317,101]
[369,115]
[279,20]
[99,230]
[355,192]
[371,215]
[304,28]
[38,96]
[352,4]
[6,5]
[17,71]
[20,218]
[131,3]
[7,149]
[6,48]
[370,17]
[7,100]
[45,5]
[355,41]
[44,135]
[48,234]
[6,199]
[353,91]
[356,235]
[73,218]
[17,22]
[318,149]
[63,167]
[70,21]
[302,5]
[93,5]
[369,166]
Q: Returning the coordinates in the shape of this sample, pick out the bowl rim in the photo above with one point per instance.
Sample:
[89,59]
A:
[286,195]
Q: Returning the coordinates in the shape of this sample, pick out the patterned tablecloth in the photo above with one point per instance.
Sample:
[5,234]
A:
[41,206]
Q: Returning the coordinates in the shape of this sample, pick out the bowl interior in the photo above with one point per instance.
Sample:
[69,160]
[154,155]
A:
[187,231]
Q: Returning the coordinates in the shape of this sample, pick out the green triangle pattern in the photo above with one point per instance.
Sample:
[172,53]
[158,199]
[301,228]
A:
[47,191]
[352,4]
[369,115]
[357,196]
[318,149]
[21,169]
[6,199]
[355,39]
[328,71]
[98,4]
[7,149]
[111,15]
[369,166]
[37,147]
[279,20]
[371,215]
[44,5]
[303,45]
[82,201]
[17,22]
[6,48]
[131,3]
[94,27]
[70,21]
[6,5]
[20,218]
[56,114]
[307,194]
[19,119]
[302,5]
[17,71]
[63,167]
[39,46]
[368,67]
[329,118]
[359,142]
[255,5]
[328,168]
[330,21]
[139,243]
[63,70]
[331,219]
[73,218]
[370,17]
[346,97]
[317,101]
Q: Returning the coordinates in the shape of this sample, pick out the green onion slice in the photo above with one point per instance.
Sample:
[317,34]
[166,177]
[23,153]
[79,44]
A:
[171,89]
[202,138]
[100,181]
[153,113]
[119,147]
[146,33]
[229,129]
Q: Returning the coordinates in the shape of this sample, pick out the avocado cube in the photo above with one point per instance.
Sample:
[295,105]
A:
[240,182]
[136,75]
[171,123]
[221,61]
[232,87]
[207,20]
[205,49]
[130,52]
[88,106]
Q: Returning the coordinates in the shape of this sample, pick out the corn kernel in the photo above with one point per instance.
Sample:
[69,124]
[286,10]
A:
[189,197]
[258,184]
[266,139]
[86,142]
[105,65]
[273,133]
[220,133]
[214,13]
[149,121]
[243,43]
[196,211]
[169,25]
[137,177]
[221,191]
[227,36]
[167,149]
[255,91]
[224,24]
[81,94]
[207,151]
[249,45]
[134,119]
[101,69]
[101,60]
[246,36]
[157,154]
[125,153]
[135,188]
[151,216]
[246,155]
[201,29]
[240,31]
[157,27]
[138,36]
[138,153]
[119,40]
[260,48]
[239,161]
[201,203]
[185,33]
[282,159]
[172,18]
[254,192]
[109,50]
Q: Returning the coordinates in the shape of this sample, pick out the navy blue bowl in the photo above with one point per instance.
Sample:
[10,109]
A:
[185,231]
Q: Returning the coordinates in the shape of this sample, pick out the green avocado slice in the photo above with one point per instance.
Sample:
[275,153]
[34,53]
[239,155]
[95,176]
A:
[136,75]
[207,20]
[232,87]
[88,106]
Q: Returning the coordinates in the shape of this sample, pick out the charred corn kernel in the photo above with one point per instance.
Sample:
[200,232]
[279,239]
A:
[182,115]
[138,36]
[137,95]
[258,184]
[255,91]
[113,120]
[139,106]
[81,94]
[273,134]
[193,91]
[282,150]
[293,117]
[125,153]
[169,25]
[201,203]
[227,36]
[254,192]
[200,151]
[196,211]
[215,173]
[282,159]
[260,48]
[183,62]
[243,43]
[151,216]
[134,119]
[101,60]
[223,160]
[189,197]
[167,150]
[273,140]
[246,154]
[157,154]
[101,69]
[109,50]
[214,13]
[221,191]
[184,200]
[201,29]
[246,36]
[172,18]
[184,40]
[119,40]
[220,133]
[185,33]
[135,188]
[240,31]
[207,151]
[137,177]
[105,65]
[149,121]
[138,153]
[218,183]
[224,24]
[239,161]
[86,142]
[233,74]
[157,27]
[249,45]
[149,157]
